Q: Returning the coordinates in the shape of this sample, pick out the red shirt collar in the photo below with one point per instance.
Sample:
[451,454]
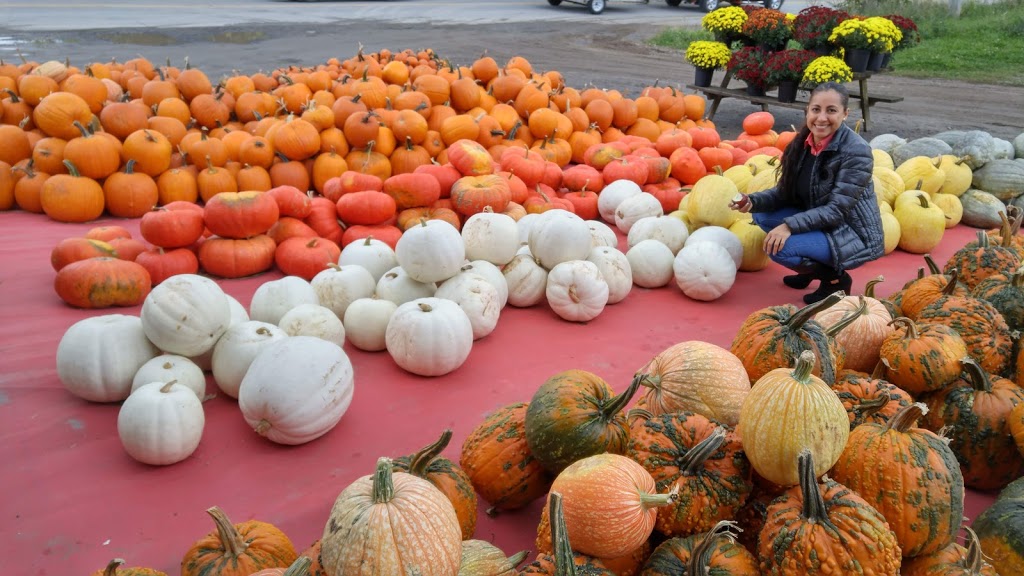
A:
[817,148]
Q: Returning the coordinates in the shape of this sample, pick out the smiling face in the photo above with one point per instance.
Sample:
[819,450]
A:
[825,113]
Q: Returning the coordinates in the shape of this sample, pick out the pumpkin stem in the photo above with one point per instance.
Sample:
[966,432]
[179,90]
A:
[976,375]
[800,317]
[1004,230]
[72,169]
[300,567]
[82,129]
[879,372]
[933,268]
[862,309]
[518,558]
[869,407]
[420,461]
[565,560]
[906,417]
[648,501]
[616,404]
[695,457]
[383,486]
[982,238]
[904,322]
[167,387]
[804,366]
[951,283]
[1017,280]
[425,307]
[973,561]
[234,544]
[814,504]
[701,555]
[869,288]
[112,566]
[639,413]
[129,168]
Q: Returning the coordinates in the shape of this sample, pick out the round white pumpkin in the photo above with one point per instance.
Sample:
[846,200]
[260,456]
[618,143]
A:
[238,312]
[478,299]
[396,285]
[527,280]
[704,270]
[273,299]
[366,323]
[492,274]
[559,236]
[375,256]
[634,208]
[491,237]
[602,234]
[576,291]
[297,389]
[185,315]
[524,225]
[650,262]
[614,268]
[431,251]
[171,367]
[313,320]
[97,357]
[429,336]
[721,236]
[236,350]
[612,195]
[338,286]
[671,232]
[161,423]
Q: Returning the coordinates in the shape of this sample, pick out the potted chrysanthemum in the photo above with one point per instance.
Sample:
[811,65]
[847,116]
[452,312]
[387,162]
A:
[826,69]
[706,57]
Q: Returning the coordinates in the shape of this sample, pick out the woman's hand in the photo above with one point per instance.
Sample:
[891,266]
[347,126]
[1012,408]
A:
[776,239]
[741,202]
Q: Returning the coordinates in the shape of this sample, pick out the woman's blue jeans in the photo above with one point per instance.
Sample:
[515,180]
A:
[803,253]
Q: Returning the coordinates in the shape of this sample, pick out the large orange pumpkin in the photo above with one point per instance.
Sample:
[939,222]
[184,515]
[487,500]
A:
[102,282]
[72,197]
[241,214]
[238,549]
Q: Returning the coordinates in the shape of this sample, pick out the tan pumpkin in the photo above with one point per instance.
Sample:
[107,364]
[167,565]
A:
[864,336]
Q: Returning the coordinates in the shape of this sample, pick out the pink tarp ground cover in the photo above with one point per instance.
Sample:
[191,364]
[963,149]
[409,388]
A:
[73,499]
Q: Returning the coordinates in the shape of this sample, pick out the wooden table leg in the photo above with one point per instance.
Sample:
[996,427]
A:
[714,106]
[865,103]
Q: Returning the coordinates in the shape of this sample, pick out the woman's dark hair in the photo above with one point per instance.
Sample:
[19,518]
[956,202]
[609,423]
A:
[794,150]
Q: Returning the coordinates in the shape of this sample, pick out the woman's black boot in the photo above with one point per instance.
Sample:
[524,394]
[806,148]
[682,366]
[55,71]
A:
[829,285]
[798,281]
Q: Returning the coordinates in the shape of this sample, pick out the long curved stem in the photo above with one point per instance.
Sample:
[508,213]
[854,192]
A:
[420,461]
[800,317]
[234,544]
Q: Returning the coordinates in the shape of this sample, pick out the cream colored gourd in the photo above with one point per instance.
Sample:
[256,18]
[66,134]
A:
[704,271]
[273,299]
[751,238]
[721,236]
[161,423]
[709,201]
[576,291]
[97,357]
[527,280]
[957,173]
[396,285]
[612,195]
[185,314]
[431,251]
[296,390]
[491,237]
[338,286]
[634,208]
[921,173]
[429,336]
[168,367]
[650,262]
[891,231]
[741,175]
[891,185]
[366,322]
[601,234]
[559,236]
[238,312]
[786,411]
[236,350]
[683,217]
[478,299]
[671,232]
[882,159]
[614,268]
[313,320]
[951,207]
[375,256]
[922,225]
[524,225]
[492,274]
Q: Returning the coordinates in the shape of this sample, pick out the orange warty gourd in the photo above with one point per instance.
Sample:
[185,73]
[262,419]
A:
[238,549]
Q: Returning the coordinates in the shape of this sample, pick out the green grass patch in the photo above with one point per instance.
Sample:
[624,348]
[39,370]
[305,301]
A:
[985,44]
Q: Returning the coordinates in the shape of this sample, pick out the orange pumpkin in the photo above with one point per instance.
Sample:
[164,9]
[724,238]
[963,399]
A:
[241,215]
[130,194]
[150,150]
[102,282]
[72,197]
[412,190]
[238,549]
[114,569]
[444,474]
[306,257]
[72,250]
[229,258]
[162,264]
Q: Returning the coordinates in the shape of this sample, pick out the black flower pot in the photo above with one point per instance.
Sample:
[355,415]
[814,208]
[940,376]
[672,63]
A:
[703,76]
[787,91]
[753,90]
[857,59]
[825,50]
[886,59]
[875,62]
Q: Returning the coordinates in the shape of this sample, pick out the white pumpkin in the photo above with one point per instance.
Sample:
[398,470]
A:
[273,299]
[614,268]
[491,237]
[338,286]
[671,232]
[161,423]
[527,280]
[238,312]
[97,357]
[559,236]
[576,291]
[297,389]
[524,225]
[612,195]
[722,237]
[704,270]
[396,285]
[429,336]
[524,250]
[168,367]
[634,208]
[236,350]
[313,320]
[366,323]
[185,315]
[478,299]
[375,256]
[431,251]
[650,262]
[492,274]
[602,234]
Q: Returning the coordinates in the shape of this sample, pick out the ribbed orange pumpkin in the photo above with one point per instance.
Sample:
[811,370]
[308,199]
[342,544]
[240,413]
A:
[921,292]
[472,194]
[922,358]
[713,552]
[230,258]
[238,549]
[241,215]
[306,257]
[863,337]
[564,559]
[56,114]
